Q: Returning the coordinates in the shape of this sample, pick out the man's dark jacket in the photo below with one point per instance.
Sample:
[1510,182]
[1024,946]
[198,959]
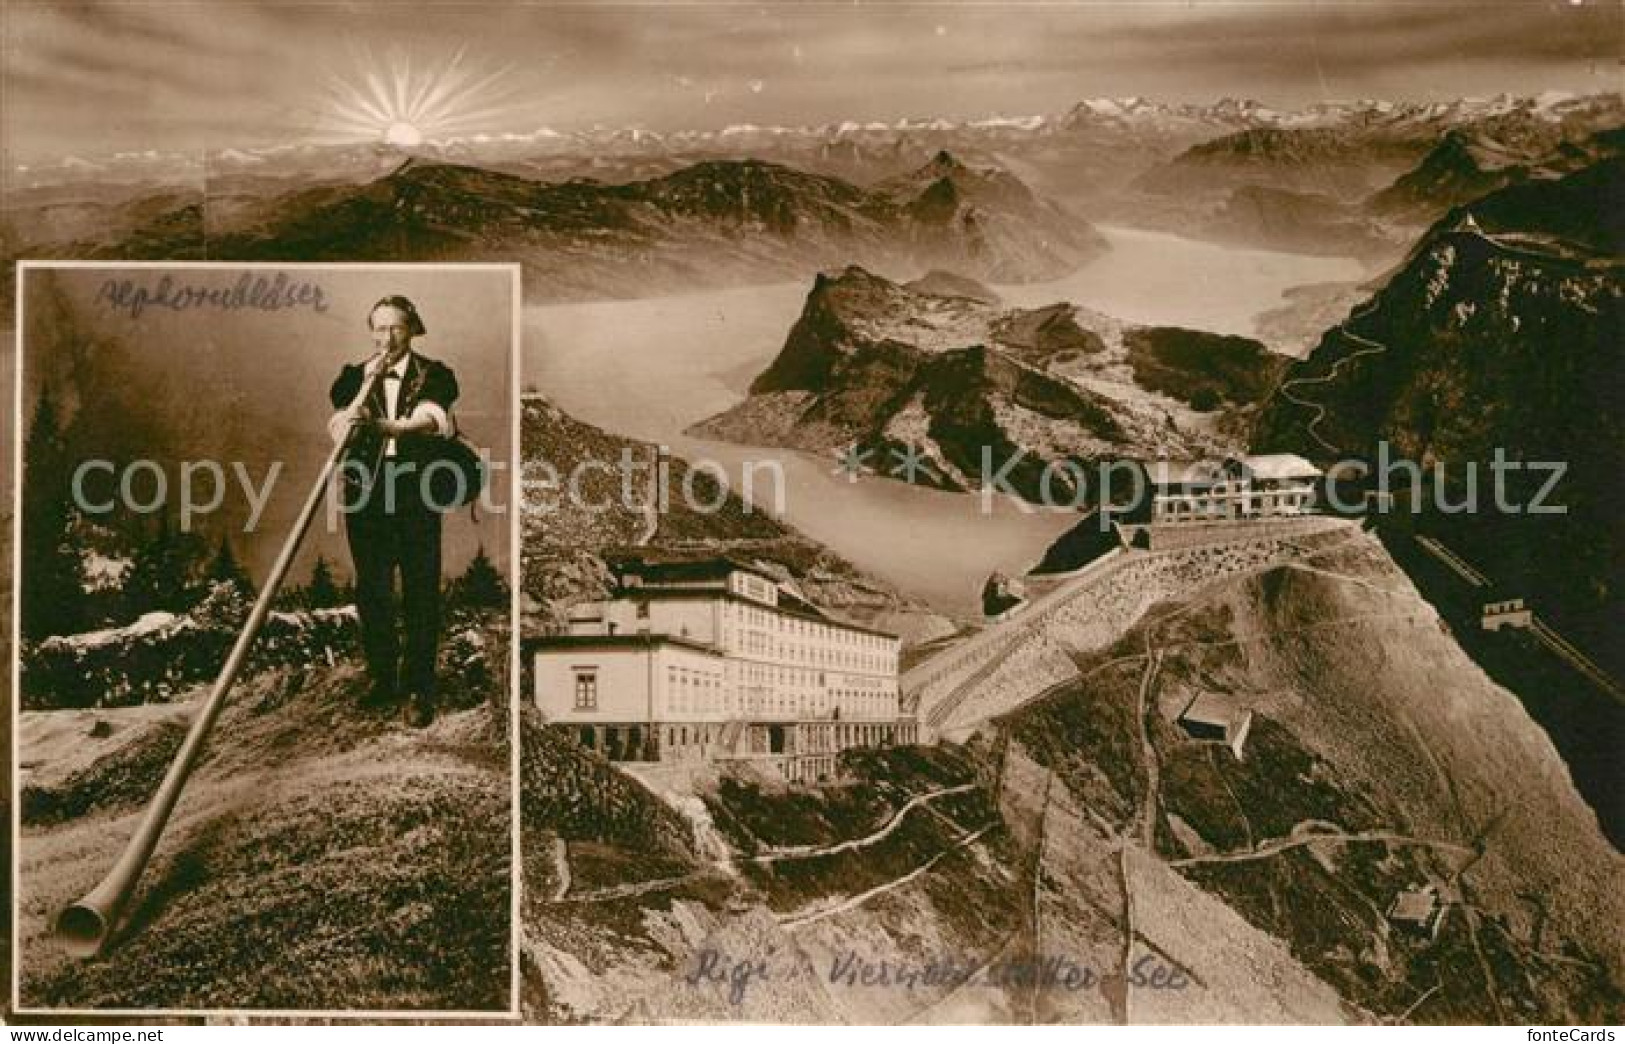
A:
[426,380]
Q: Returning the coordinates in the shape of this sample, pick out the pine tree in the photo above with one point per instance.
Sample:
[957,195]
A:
[480,586]
[146,587]
[163,576]
[224,568]
[53,597]
[322,592]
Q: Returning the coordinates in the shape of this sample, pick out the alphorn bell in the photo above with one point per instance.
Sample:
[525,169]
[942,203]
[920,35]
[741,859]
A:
[85,927]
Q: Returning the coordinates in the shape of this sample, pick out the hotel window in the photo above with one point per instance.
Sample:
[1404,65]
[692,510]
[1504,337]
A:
[586,690]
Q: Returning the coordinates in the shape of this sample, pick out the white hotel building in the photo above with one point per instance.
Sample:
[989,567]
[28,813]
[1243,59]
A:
[713,660]
[1274,485]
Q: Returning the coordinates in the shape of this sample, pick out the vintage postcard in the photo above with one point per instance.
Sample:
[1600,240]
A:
[1030,513]
[264,576]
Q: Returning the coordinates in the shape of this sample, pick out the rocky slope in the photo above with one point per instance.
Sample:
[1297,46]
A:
[1499,335]
[1360,185]
[940,283]
[959,383]
[1337,657]
[1469,163]
[1299,222]
[1202,369]
[1002,231]
[934,885]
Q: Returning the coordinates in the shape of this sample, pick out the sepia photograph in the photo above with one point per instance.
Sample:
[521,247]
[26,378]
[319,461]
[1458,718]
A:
[1098,513]
[264,621]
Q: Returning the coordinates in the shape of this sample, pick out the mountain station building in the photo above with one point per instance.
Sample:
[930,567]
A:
[1273,485]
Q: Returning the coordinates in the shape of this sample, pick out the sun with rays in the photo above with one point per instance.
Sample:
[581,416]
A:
[402,102]
[402,133]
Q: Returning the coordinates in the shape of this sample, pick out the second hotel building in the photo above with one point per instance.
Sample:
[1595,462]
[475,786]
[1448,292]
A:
[713,660]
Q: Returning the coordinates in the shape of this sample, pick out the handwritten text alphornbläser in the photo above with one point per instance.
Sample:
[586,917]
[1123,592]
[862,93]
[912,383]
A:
[250,292]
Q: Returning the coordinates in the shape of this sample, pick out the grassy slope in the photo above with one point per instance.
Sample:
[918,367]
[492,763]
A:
[597,957]
[321,857]
[1355,727]
[1039,885]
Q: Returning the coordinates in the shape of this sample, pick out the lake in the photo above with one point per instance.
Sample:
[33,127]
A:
[650,368]
[1166,280]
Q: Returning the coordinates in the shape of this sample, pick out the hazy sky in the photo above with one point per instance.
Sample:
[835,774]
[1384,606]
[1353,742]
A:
[97,78]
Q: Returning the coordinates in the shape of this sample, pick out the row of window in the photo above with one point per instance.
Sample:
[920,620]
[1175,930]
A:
[758,688]
[763,673]
[698,692]
[762,644]
[795,626]
[693,690]
[851,703]
[1229,505]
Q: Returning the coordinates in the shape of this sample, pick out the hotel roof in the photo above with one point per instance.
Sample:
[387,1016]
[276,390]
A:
[635,640]
[689,570]
[1165,472]
[1276,466]
[1208,709]
[686,578]
[811,615]
[1416,905]
[1267,467]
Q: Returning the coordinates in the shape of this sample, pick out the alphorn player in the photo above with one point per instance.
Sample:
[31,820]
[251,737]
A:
[389,520]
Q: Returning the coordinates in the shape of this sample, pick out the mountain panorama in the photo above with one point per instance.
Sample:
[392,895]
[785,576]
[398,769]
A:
[1315,761]
[710,223]
[1131,115]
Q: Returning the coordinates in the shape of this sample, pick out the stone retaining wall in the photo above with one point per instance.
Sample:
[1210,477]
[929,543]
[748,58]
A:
[1098,610]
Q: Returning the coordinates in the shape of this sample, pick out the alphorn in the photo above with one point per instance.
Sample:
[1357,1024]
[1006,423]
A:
[86,927]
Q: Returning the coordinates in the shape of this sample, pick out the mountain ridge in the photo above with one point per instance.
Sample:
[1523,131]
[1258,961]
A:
[961,386]
[710,223]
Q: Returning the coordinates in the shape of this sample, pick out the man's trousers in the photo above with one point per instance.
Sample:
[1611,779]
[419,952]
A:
[384,538]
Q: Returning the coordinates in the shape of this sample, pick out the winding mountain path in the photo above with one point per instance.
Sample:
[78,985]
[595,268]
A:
[1153,776]
[820,910]
[1275,846]
[1366,347]
[776,854]
[561,868]
[627,891]
[1520,248]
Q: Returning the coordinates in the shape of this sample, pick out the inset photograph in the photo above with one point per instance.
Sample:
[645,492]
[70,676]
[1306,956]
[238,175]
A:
[263,622]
